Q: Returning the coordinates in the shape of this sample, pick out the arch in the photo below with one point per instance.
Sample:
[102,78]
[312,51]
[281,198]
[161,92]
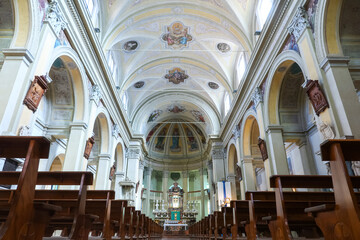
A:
[7,26]
[119,156]
[58,163]
[232,159]
[78,77]
[24,22]
[102,121]
[274,81]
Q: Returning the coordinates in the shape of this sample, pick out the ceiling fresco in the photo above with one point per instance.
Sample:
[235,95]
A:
[176,61]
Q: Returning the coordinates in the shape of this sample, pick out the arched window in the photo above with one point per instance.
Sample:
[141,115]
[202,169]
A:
[226,103]
[125,101]
[240,70]
[93,9]
[112,65]
[262,12]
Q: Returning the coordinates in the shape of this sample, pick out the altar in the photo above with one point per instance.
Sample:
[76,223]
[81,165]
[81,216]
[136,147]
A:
[176,217]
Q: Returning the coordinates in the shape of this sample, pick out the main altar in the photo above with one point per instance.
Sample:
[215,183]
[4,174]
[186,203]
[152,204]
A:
[174,216]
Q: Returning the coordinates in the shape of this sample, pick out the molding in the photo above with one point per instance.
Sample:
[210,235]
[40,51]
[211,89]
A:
[334,61]
[19,54]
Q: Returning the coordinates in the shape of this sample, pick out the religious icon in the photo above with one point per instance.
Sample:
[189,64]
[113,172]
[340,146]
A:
[177,36]
[176,109]
[176,75]
[175,141]
[316,96]
[36,91]
[154,115]
[262,146]
[89,145]
[161,140]
[130,46]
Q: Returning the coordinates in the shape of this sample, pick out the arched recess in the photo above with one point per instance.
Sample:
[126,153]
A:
[7,26]
[252,155]
[58,163]
[349,34]
[119,161]
[99,160]
[234,171]
[289,108]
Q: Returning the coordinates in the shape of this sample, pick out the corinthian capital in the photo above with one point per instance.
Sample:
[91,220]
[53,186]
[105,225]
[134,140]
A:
[299,23]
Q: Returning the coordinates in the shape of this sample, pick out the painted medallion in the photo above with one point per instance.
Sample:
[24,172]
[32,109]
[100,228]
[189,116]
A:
[177,36]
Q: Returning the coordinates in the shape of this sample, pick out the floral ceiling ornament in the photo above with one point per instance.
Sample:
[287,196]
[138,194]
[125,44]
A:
[176,75]
[176,108]
[177,36]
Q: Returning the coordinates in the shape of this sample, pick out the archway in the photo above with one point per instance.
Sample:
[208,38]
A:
[289,109]
[252,156]
[7,26]
[234,173]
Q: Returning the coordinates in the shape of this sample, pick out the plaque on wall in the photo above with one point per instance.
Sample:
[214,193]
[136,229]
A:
[36,91]
[316,96]
[89,145]
[262,146]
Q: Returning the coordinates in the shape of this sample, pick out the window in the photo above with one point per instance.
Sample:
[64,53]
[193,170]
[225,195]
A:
[125,100]
[241,69]
[226,103]
[262,11]
[90,6]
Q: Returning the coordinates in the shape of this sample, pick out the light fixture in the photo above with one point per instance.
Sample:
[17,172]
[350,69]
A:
[257,33]
[97,30]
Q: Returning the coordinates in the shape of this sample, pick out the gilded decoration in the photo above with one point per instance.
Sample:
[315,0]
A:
[176,75]
[177,36]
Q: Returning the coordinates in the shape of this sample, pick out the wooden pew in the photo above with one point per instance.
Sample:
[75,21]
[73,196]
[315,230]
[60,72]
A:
[22,209]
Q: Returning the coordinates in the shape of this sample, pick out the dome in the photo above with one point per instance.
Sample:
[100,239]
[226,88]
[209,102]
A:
[175,143]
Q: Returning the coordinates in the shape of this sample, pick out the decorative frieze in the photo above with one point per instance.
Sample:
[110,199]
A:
[133,153]
[36,91]
[299,23]
[257,96]
[316,96]
[218,153]
[236,132]
[116,131]
[95,94]
[55,17]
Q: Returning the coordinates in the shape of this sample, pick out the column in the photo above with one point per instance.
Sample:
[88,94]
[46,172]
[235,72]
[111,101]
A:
[231,179]
[211,186]
[185,177]
[119,177]
[248,175]
[148,173]
[202,210]
[308,166]
[258,100]
[165,186]
[102,174]
[132,171]
[342,95]
[140,184]
[276,150]
[15,73]
[74,155]
[218,168]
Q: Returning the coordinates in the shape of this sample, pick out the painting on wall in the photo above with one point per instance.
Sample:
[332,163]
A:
[176,75]
[203,139]
[139,84]
[198,115]
[191,140]
[175,139]
[160,141]
[152,132]
[311,10]
[154,115]
[176,108]
[130,46]
[291,44]
[177,36]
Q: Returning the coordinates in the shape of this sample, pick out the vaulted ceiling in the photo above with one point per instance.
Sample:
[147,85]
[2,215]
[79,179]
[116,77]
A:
[180,54]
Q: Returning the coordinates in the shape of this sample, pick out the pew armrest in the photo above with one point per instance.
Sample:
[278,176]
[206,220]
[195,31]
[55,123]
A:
[320,208]
[269,218]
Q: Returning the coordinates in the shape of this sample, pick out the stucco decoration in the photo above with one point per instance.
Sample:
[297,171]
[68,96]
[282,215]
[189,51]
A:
[139,84]
[37,89]
[257,96]
[326,131]
[223,47]
[299,23]
[213,85]
[177,36]
[130,46]
[55,17]
[316,96]
[176,75]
